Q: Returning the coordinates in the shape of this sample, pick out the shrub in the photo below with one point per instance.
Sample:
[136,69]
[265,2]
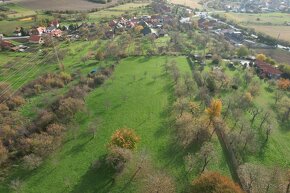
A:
[68,107]
[99,80]
[39,144]
[213,182]
[124,138]
[66,77]
[55,129]
[283,84]
[3,108]
[3,153]
[44,118]
[14,102]
[118,157]
[31,161]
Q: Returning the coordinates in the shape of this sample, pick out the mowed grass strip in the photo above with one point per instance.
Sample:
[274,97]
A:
[69,169]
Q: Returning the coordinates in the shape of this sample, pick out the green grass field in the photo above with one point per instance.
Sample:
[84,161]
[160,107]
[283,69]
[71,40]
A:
[145,110]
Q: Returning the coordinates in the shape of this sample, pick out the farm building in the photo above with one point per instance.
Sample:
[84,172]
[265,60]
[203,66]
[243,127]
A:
[266,70]
[36,39]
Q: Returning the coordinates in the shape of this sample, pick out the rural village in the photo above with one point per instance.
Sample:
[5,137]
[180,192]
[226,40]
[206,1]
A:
[144,96]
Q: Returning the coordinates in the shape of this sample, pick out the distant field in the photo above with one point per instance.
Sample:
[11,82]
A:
[271,24]
[190,3]
[274,31]
[60,4]
[259,19]
[281,56]
[16,11]
[116,11]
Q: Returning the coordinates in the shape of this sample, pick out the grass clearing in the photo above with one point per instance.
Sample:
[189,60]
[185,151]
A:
[145,110]
[190,3]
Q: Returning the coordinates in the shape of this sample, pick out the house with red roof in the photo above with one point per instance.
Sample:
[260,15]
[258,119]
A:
[6,44]
[36,39]
[38,31]
[266,70]
[54,23]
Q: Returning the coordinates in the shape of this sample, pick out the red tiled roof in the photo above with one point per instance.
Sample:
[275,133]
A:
[267,68]
[34,38]
[6,44]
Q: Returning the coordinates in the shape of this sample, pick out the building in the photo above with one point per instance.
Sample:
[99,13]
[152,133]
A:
[36,39]
[54,23]
[38,31]
[6,45]
[266,70]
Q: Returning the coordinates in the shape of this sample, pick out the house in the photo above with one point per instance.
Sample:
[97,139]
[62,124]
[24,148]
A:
[266,70]
[6,44]
[38,31]
[50,29]
[54,23]
[56,33]
[17,32]
[36,39]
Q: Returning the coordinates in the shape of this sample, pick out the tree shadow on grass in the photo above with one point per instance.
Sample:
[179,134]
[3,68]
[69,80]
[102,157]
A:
[96,180]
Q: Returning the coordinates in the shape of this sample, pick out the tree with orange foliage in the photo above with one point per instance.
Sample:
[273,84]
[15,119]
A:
[124,138]
[138,28]
[213,182]
[214,110]
[283,84]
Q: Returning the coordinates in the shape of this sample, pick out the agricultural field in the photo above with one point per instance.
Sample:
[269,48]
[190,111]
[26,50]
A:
[61,5]
[190,3]
[272,24]
[15,11]
[279,55]
[279,32]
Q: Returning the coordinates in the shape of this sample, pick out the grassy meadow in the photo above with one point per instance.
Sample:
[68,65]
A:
[147,109]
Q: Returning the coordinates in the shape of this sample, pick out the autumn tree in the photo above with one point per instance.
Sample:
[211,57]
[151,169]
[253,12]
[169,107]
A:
[118,157]
[255,111]
[3,153]
[202,158]
[159,182]
[261,179]
[278,95]
[283,108]
[214,111]
[283,84]
[180,105]
[213,182]
[261,57]
[68,107]
[31,161]
[124,138]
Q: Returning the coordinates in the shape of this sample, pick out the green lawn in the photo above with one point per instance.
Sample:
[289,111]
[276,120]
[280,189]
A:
[145,110]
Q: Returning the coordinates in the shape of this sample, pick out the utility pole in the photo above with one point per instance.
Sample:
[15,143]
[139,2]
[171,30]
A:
[60,64]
